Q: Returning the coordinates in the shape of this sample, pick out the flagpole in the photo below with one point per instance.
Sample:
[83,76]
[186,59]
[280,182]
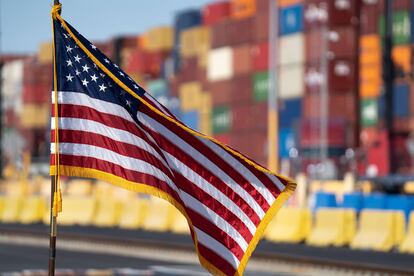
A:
[53,215]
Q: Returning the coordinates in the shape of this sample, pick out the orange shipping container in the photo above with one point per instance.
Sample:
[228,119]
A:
[370,49]
[284,3]
[242,60]
[370,81]
[242,8]
[401,56]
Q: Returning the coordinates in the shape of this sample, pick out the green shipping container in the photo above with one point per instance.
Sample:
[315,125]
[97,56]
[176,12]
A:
[260,86]
[369,112]
[401,27]
[221,119]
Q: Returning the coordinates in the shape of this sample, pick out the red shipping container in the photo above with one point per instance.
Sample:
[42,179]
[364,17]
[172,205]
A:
[377,155]
[260,56]
[400,4]
[241,117]
[146,62]
[223,138]
[189,70]
[221,92]
[262,6]
[341,76]
[36,93]
[242,89]
[261,27]
[107,48]
[220,34]
[339,12]
[37,73]
[370,13]
[340,104]
[242,59]
[215,12]
[401,157]
[311,132]
[341,43]
[240,31]
[259,115]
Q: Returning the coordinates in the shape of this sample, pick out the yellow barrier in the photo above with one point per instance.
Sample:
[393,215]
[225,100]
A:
[108,212]
[179,224]
[379,230]
[11,209]
[289,225]
[134,213]
[32,210]
[407,245]
[332,227]
[159,216]
[79,187]
[77,210]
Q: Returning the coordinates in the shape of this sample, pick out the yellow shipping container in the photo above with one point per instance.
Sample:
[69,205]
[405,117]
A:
[203,57]
[205,123]
[45,52]
[158,39]
[35,115]
[194,40]
[190,94]
[206,103]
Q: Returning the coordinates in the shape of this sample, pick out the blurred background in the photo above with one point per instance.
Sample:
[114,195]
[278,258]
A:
[337,75]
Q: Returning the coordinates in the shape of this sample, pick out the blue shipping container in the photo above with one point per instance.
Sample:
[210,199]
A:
[291,19]
[286,142]
[158,88]
[190,119]
[290,111]
[401,104]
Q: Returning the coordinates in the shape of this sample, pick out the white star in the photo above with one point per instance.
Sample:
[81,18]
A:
[69,49]
[116,66]
[69,62]
[69,77]
[106,60]
[61,24]
[102,75]
[128,103]
[122,74]
[93,46]
[94,78]
[129,78]
[102,87]
[77,72]
[136,86]
[85,82]
[76,46]
[65,35]
[94,65]
[85,68]
[78,58]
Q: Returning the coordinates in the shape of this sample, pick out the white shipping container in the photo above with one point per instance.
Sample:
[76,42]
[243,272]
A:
[291,82]
[12,85]
[220,64]
[291,49]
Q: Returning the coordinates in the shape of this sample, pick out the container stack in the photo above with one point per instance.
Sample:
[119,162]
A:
[329,26]
[372,105]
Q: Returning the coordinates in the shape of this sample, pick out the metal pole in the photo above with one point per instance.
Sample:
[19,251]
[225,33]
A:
[53,218]
[273,119]
[324,112]
[388,77]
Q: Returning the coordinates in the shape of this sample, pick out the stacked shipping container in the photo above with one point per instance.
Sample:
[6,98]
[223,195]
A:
[211,69]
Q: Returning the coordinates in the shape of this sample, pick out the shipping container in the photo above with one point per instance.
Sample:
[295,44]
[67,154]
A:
[341,43]
[158,88]
[215,12]
[35,115]
[194,40]
[260,56]
[220,64]
[240,9]
[189,70]
[291,19]
[310,131]
[190,96]
[290,81]
[159,39]
[222,138]
[242,89]
[242,59]
[401,27]
[45,52]
[12,85]
[290,112]
[260,27]
[291,49]
[191,119]
[401,101]
[261,86]
[340,104]
[287,141]
[401,56]
[370,11]
[204,123]
[221,119]
[221,92]
[370,50]
[369,112]
[370,81]
[333,12]
[377,156]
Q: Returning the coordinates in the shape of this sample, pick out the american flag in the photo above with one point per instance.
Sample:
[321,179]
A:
[110,128]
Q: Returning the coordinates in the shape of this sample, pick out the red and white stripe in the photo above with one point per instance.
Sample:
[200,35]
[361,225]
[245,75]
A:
[225,197]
